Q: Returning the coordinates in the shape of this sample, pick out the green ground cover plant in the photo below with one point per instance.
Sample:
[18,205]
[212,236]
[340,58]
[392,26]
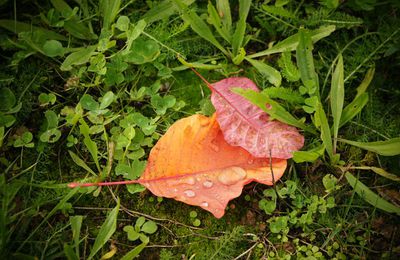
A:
[87,88]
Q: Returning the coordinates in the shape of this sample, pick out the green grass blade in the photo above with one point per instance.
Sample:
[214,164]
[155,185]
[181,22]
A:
[308,156]
[379,171]
[276,111]
[69,252]
[79,57]
[197,65]
[163,10]
[134,252]
[353,109]
[76,224]
[305,63]
[370,196]
[109,9]
[366,81]
[361,99]
[224,10]
[200,27]
[270,73]
[389,147]
[215,20]
[337,98]
[59,206]
[18,27]
[73,25]
[238,36]
[89,143]
[80,162]
[1,135]
[106,230]
[322,122]
[291,43]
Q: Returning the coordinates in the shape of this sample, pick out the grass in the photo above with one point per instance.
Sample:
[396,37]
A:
[316,215]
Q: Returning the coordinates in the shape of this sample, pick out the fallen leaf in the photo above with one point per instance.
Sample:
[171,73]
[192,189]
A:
[248,126]
[194,164]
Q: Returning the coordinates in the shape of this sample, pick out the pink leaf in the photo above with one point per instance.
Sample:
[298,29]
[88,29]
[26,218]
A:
[246,125]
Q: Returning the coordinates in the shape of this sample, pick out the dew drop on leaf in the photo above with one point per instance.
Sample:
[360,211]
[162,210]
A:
[189,193]
[190,181]
[208,184]
[231,175]
[204,204]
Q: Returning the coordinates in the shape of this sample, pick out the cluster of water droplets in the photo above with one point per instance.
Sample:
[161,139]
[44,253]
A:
[226,177]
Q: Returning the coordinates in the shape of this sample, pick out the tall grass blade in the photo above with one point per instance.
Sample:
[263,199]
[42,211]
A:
[275,112]
[337,98]
[80,162]
[270,73]
[73,24]
[224,11]
[199,26]
[76,224]
[353,109]
[238,36]
[366,82]
[59,206]
[389,147]
[379,171]
[109,10]
[361,99]
[291,43]
[215,20]
[163,10]
[106,230]
[134,252]
[18,27]
[369,196]
[322,122]
[305,63]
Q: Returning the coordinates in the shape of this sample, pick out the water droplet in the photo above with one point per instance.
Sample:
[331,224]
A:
[250,161]
[208,184]
[204,204]
[189,193]
[232,175]
[175,190]
[190,181]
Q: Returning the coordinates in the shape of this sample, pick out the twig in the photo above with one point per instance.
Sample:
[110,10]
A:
[246,252]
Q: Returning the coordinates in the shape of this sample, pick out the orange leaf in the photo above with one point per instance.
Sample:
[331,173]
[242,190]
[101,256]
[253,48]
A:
[194,164]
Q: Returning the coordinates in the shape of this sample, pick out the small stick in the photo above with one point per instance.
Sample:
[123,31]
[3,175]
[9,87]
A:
[272,172]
